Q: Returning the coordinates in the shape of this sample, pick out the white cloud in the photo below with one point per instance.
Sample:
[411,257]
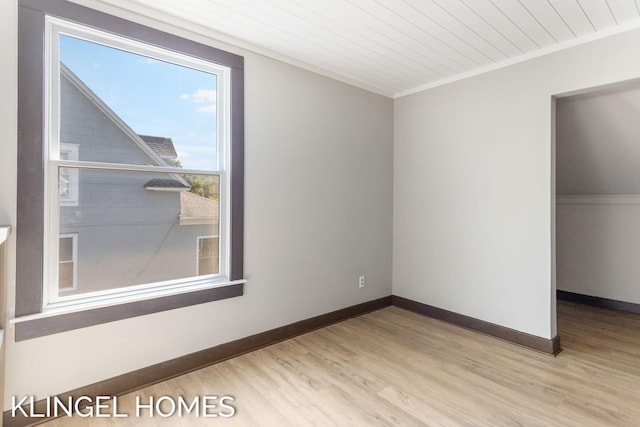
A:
[203,96]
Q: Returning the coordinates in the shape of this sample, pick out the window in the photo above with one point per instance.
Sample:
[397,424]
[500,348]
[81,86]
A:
[68,178]
[143,155]
[67,262]
[207,255]
[103,101]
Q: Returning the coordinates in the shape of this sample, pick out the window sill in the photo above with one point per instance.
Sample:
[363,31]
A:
[70,318]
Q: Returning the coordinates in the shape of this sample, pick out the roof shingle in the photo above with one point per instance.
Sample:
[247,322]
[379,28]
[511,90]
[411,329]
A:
[161,145]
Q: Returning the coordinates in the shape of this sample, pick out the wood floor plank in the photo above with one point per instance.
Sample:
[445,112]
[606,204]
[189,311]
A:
[393,367]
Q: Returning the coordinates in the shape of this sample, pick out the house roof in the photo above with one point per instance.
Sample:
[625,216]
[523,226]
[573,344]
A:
[110,114]
[196,209]
[158,148]
[161,145]
[166,184]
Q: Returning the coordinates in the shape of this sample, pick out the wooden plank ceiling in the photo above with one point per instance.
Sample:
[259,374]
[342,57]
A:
[395,47]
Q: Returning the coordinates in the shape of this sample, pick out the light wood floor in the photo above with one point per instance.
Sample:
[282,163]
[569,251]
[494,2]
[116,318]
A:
[394,367]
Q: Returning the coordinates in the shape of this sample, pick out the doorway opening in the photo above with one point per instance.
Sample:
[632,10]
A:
[597,203]
[597,183]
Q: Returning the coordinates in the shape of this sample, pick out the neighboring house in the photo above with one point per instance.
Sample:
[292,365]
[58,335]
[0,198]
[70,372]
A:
[122,228]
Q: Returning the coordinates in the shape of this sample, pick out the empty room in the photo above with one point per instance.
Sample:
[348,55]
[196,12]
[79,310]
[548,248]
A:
[297,213]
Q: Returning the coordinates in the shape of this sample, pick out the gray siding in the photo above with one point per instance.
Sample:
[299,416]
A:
[100,139]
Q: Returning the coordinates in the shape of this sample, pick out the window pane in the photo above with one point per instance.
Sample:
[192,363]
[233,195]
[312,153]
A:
[208,260]
[140,227]
[64,184]
[65,275]
[66,249]
[121,107]
[66,264]
[68,178]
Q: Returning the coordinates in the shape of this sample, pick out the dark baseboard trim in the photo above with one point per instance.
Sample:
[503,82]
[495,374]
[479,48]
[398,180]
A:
[549,346]
[154,374]
[611,304]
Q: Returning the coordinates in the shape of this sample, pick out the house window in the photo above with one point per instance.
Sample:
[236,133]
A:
[208,251]
[130,178]
[67,262]
[68,178]
[139,137]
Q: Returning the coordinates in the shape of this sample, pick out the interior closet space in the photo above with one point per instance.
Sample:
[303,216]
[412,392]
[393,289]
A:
[598,195]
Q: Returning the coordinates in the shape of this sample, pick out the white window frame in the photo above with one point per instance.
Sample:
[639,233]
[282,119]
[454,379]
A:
[52,299]
[74,260]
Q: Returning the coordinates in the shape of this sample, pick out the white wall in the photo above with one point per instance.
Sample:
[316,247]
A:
[597,150]
[8,148]
[598,242]
[473,190]
[318,214]
[8,113]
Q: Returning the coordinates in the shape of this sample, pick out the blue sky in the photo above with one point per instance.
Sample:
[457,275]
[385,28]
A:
[151,96]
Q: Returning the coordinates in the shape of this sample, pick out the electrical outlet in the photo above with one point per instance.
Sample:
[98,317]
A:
[361,282]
